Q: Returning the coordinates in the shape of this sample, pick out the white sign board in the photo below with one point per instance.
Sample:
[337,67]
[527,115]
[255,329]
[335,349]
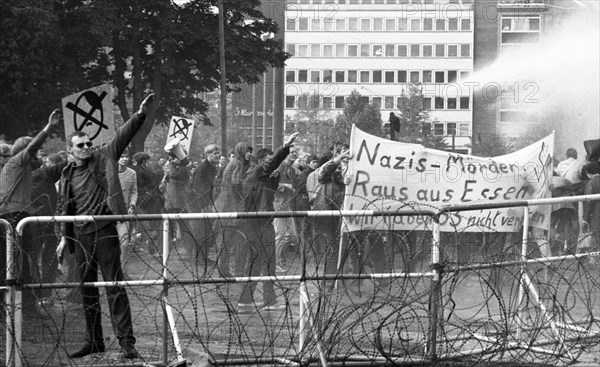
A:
[183,129]
[91,111]
[389,175]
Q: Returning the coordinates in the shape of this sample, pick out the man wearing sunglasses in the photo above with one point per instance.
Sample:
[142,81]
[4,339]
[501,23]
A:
[90,186]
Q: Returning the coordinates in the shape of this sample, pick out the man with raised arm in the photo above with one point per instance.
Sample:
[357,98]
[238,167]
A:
[90,186]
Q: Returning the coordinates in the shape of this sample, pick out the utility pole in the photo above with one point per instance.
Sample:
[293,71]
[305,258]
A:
[223,77]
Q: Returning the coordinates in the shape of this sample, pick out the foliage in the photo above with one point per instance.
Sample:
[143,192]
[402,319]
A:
[415,121]
[315,125]
[357,111]
[137,46]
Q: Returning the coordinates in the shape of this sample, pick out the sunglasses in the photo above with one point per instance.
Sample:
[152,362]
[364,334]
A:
[87,144]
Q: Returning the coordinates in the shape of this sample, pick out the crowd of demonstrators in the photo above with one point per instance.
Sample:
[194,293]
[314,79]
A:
[231,199]
[260,183]
[15,199]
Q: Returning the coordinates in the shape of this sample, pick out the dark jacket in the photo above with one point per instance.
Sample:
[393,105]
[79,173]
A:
[591,209]
[202,190]
[149,196]
[44,196]
[231,195]
[300,200]
[260,182]
[178,179]
[103,164]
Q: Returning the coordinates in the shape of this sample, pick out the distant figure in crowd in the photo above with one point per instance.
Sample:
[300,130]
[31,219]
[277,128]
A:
[90,186]
[394,126]
[149,200]
[260,184]
[570,168]
[202,200]
[176,180]
[128,180]
[15,198]
[5,153]
[591,209]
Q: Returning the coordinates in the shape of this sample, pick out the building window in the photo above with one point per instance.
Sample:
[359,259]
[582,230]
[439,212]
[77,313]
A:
[290,76]
[376,102]
[465,50]
[464,103]
[340,50]
[377,50]
[303,24]
[428,24]
[389,50]
[388,102]
[378,24]
[315,76]
[339,102]
[389,76]
[364,50]
[440,77]
[315,50]
[439,51]
[365,24]
[415,50]
[340,24]
[364,76]
[290,101]
[352,76]
[453,24]
[290,24]
[464,75]
[427,76]
[401,76]
[291,48]
[315,24]
[438,129]
[377,76]
[329,24]
[327,50]
[302,50]
[390,24]
[427,103]
[464,129]
[451,103]
[465,24]
[520,30]
[415,24]
[452,51]
[402,24]
[414,77]
[327,75]
[363,100]
[451,128]
[402,51]
[352,50]
[452,76]
[327,103]
[340,76]
[303,101]
[439,103]
[353,24]
[302,76]
[440,24]
[427,50]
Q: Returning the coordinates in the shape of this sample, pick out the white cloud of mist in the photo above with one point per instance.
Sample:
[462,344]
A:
[565,68]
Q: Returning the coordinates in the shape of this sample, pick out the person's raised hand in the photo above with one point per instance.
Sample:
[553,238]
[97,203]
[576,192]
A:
[290,139]
[145,105]
[54,119]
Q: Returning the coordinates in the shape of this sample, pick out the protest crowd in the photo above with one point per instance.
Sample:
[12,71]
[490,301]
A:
[113,180]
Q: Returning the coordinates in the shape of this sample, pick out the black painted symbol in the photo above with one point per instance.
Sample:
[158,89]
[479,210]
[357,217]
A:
[95,124]
[182,128]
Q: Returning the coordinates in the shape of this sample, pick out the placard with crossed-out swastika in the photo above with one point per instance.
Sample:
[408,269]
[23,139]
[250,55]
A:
[91,111]
[183,129]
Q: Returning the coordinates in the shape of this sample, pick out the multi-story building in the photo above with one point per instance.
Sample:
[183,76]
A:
[378,48]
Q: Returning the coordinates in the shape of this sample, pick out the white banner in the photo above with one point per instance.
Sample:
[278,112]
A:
[183,129]
[388,175]
[91,111]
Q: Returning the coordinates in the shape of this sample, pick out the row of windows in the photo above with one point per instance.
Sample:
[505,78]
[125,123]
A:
[382,50]
[386,102]
[378,24]
[376,2]
[375,76]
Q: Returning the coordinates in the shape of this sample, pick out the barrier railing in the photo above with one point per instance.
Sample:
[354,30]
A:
[306,320]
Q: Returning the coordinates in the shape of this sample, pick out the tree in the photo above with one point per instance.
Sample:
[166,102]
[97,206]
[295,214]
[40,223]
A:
[357,111]
[314,124]
[415,121]
[138,46]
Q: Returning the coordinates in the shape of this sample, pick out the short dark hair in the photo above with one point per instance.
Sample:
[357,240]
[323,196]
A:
[263,152]
[77,133]
[571,153]
[592,168]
